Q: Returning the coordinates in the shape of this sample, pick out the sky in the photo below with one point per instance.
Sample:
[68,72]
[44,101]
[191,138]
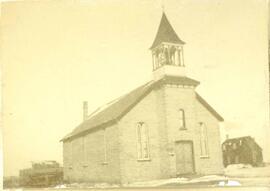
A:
[57,54]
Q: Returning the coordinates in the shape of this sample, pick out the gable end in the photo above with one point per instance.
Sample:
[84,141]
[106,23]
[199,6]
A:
[209,107]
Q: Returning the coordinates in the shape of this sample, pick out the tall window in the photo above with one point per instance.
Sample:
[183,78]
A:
[82,146]
[182,119]
[104,146]
[143,142]
[84,161]
[204,143]
[71,147]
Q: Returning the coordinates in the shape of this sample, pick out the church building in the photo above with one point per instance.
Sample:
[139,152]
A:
[160,130]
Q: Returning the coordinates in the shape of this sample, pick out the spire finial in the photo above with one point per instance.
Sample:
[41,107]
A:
[162,6]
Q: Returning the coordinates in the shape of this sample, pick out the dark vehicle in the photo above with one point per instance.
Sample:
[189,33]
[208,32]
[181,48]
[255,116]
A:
[42,174]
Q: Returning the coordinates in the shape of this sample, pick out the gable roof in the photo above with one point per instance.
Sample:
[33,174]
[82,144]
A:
[237,139]
[112,112]
[208,107]
[249,141]
[116,109]
[166,33]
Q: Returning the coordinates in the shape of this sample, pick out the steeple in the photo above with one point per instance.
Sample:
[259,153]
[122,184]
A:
[167,51]
[166,33]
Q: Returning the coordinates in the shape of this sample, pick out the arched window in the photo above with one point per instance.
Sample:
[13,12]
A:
[104,146]
[143,142]
[182,119]
[83,151]
[203,139]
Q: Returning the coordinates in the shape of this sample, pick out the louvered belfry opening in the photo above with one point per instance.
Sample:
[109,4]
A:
[167,48]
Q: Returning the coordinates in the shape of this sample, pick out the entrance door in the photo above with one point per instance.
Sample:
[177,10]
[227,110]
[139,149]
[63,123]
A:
[184,157]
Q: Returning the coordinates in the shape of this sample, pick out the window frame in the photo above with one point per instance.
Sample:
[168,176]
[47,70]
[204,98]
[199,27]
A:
[70,162]
[139,142]
[72,152]
[84,151]
[203,141]
[182,118]
[105,154]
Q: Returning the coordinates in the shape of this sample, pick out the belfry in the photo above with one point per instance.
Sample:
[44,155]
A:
[159,130]
[167,51]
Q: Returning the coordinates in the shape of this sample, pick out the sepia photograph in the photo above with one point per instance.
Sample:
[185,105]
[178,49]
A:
[135,94]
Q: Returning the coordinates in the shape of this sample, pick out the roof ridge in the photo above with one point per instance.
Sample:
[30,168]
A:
[96,111]
[114,101]
[122,105]
[82,124]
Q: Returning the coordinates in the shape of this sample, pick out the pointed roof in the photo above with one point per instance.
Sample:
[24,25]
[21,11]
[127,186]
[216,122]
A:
[250,141]
[166,33]
[115,110]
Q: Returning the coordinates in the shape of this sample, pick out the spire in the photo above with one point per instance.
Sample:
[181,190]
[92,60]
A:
[162,6]
[167,52]
[166,33]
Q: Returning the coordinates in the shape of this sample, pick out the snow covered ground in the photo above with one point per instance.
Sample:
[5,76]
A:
[178,181]
[247,171]
[155,183]
[234,175]
[248,175]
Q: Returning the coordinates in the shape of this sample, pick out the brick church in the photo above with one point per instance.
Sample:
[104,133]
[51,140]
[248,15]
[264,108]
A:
[162,129]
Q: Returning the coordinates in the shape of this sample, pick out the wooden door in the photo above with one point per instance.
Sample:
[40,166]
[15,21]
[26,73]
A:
[184,157]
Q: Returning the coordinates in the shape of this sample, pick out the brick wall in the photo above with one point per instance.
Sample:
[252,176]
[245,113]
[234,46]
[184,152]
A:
[131,168]
[66,160]
[213,164]
[84,157]
[159,110]
[179,97]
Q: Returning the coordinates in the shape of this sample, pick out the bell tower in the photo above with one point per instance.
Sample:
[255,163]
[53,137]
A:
[167,52]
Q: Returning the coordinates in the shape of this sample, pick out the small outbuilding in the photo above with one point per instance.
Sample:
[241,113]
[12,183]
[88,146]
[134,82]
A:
[241,150]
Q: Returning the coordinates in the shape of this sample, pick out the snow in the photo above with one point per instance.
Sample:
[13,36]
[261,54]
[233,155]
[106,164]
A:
[229,183]
[155,183]
[254,181]
[238,166]
[208,178]
[235,175]
[182,180]
[89,185]
[106,185]
[233,183]
[222,183]
[248,175]
[60,186]
[247,171]
[152,183]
